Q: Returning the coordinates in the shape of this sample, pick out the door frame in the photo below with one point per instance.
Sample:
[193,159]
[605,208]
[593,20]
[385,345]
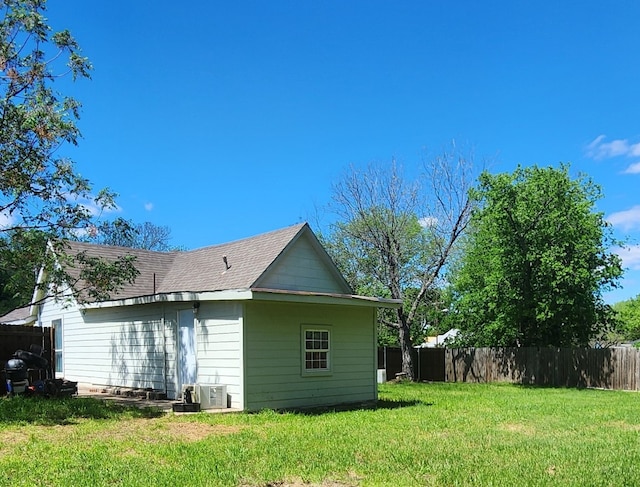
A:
[186,319]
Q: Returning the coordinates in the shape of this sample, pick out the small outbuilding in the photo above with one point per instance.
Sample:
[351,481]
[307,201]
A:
[268,321]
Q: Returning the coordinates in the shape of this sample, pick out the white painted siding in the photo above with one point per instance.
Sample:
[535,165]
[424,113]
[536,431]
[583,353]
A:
[274,357]
[66,311]
[170,314]
[301,269]
[219,337]
[135,346]
[112,347]
[117,347]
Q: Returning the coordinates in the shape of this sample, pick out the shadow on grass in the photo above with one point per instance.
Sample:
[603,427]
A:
[381,404]
[68,410]
[578,387]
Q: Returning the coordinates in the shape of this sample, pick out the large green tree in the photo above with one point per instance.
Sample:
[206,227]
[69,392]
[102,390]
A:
[41,193]
[536,261]
[394,237]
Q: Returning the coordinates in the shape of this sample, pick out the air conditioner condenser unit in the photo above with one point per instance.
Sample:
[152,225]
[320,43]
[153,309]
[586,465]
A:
[211,396]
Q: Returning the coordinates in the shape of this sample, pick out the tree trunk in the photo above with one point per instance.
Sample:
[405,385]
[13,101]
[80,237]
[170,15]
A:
[406,347]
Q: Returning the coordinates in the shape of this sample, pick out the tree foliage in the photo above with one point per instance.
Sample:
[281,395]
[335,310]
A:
[393,237]
[41,193]
[536,262]
[22,254]
[39,189]
[628,313]
[124,233]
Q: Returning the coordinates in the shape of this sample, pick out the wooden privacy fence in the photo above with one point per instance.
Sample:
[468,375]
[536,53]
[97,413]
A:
[14,338]
[607,368]
[430,362]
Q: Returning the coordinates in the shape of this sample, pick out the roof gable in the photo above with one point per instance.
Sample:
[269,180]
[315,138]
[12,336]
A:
[304,266]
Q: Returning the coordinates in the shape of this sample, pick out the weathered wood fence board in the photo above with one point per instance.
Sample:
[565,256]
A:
[607,368]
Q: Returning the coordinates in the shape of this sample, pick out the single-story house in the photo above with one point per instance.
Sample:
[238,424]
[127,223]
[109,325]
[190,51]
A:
[19,316]
[440,340]
[269,318]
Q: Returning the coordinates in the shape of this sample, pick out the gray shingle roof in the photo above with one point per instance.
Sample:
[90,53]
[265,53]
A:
[199,270]
[18,315]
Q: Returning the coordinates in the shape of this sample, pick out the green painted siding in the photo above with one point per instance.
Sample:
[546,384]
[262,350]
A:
[301,269]
[273,355]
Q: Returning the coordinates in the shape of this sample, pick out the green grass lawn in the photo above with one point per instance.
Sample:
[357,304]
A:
[420,434]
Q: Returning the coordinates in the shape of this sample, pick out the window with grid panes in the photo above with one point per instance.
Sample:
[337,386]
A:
[317,349]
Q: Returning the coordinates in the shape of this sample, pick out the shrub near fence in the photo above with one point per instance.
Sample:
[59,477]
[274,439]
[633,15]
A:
[606,368]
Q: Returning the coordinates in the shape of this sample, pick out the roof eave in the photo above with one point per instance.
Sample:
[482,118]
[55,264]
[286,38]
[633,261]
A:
[324,298]
[255,294]
[30,320]
[177,297]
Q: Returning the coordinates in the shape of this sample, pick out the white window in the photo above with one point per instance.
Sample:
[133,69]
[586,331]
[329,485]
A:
[57,344]
[316,346]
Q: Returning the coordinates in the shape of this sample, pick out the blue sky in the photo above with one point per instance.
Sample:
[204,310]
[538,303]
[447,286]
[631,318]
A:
[222,120]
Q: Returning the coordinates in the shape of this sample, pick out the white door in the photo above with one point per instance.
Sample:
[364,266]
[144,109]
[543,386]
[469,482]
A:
[187,364]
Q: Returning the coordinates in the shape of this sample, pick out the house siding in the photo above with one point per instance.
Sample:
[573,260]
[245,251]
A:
[273,360]
[70,316]
[136,346]
[300,269]
[219,349]
[111,347]
[170,315]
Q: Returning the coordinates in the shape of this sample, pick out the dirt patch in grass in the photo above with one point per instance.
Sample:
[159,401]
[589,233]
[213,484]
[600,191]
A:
[352,481]
[300,483]
[520,428]
[624,425]
[154,430]
[198,431]
[10,439]
[161,430]
[304,484]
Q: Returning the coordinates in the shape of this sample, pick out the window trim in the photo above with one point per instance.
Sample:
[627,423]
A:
[306,372]
[60,363]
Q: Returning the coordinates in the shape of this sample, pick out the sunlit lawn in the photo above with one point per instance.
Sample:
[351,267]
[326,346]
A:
[420,434]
